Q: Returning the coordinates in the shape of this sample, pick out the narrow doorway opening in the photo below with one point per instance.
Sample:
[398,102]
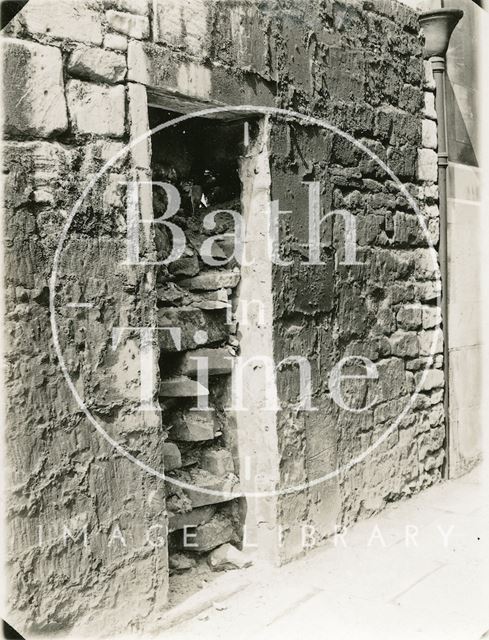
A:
[197,293]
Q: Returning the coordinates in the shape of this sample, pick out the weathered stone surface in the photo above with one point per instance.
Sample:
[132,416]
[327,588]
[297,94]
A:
[409,317]
[209,535]
[431,317]
[96,109]
[182,387]
[179,562]
[223,489]
[139,125]
[219,462]
[197,327]
[228,557]
[67,19]
[33,96]
[190,519]
[137,63]
[429,110]
[193,426]
[187,265]
[131,25]
[434,379]
[99,65]
[404,344]
[430,342]
[140,7]
[218,362]
[171,456]
[429,134]
[115,41]
[212,280]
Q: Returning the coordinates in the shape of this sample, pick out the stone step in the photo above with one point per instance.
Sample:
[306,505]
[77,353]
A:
[196,327]
[192,518]
[227,488]
[212,280]
[182,387]
[219,362]
[193,426]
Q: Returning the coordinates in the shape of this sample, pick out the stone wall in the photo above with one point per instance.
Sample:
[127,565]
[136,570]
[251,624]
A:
[88,68]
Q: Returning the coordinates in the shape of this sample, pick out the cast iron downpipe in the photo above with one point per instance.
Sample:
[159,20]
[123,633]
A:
[438,26]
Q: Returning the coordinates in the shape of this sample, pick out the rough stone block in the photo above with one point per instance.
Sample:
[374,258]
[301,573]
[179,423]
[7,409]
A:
[137,63]
[187,265]
[404,344]
[212,280]
[429,110]
[140,7]
[172,457]
[429,134]
[430,342]
[96,109]
[427,165]
[429,79]
[192,518]
[99,65]
[115,41]
[219,462]
[67,19]
[431,317]
[33,91]
[219,362]
[196,327]
[208,536]
[139,125]
[409,317]
[193,426]
[435,379]
[223,489]
[182,387]
[131,25]
[228,557]
[184,24]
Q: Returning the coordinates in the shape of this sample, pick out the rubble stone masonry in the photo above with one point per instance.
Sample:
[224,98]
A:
[78,77]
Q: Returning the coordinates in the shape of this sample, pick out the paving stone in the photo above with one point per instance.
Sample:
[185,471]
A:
[182,387]
[67,19]
[219,362]
[33,91]
[219,462]
[129,24]
[172,456]
[190,321]
[193,426]
[228,557]
[99,65]
[191,518]
[212,280]
[96,109]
